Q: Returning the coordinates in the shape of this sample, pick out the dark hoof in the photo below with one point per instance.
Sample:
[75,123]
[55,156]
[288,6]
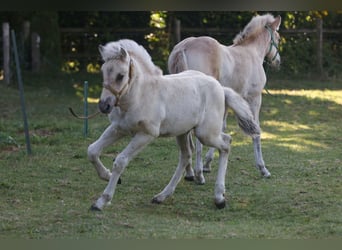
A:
[221,205]
[119,181]
[94,208]
[155,201]
[206,170]
[189,178]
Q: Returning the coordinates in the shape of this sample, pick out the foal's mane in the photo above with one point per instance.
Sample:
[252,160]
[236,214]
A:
[253,28]
[112,50]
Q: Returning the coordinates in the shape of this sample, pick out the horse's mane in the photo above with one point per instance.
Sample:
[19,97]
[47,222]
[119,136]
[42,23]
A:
[253,28]
[112,50]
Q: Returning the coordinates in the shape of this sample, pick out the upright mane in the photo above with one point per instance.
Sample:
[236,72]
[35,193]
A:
[253,28]
[112,50]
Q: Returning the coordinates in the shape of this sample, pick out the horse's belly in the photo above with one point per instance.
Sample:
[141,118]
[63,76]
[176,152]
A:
[178,125]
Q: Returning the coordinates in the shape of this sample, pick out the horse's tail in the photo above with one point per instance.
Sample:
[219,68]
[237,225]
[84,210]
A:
[177,62]
[242,111]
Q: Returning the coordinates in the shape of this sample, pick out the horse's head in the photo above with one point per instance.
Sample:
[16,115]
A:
[272,55]
[117,74]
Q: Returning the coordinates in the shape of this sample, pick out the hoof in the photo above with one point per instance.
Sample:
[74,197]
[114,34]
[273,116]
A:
[155,201]
[206,170]
[94,208]
[119,181]
[221,204]
[266,174]
[189,178]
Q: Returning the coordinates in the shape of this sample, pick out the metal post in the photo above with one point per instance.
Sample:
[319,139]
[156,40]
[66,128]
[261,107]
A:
[21,92]
[6,52]
[178,30]
[85,127]
[319,26]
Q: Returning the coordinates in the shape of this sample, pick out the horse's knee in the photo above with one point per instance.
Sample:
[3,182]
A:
[227,141]
[120,163]
[92,152]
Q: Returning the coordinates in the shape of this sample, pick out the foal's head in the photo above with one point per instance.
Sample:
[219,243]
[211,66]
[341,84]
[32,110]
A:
[272,55]
[117,73]
[263,31]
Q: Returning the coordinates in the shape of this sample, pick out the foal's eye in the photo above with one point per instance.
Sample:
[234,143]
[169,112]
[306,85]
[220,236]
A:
[119,78]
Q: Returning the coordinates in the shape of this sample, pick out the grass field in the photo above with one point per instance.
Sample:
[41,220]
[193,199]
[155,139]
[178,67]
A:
[47,195]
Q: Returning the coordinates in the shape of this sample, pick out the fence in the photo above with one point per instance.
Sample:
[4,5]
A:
[317,50]
[306,50]
[31,54]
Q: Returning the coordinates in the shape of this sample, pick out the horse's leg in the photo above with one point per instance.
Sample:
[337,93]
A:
[259,161]
[220,185]
[209,156]
[138,143]
[108,137]
[199,178]
[184,158]
[222,143]
[189,172]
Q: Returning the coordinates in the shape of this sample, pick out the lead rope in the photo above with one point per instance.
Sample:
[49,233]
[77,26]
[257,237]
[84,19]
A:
[266,72]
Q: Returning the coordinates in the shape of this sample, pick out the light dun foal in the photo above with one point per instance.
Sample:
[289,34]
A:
[238,66]
[144,104]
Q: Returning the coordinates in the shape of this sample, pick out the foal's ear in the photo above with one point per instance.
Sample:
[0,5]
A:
[123,53]
[101,50]
[275,25]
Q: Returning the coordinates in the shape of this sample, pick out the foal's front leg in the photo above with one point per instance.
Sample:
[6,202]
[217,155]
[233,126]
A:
[138,143]
[108,137]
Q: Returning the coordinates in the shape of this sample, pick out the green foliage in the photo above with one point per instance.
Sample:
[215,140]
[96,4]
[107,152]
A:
[74,51]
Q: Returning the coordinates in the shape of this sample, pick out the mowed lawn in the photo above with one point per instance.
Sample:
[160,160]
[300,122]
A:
[47,195]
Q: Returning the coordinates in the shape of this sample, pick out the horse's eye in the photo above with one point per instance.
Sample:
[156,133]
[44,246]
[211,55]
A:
[119,78]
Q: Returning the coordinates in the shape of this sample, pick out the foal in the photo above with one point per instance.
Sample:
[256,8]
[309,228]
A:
[238,66]
[145,105]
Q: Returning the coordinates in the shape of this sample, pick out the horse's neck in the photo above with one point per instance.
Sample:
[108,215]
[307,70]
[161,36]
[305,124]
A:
[136,84]
[259,46]
[262,45]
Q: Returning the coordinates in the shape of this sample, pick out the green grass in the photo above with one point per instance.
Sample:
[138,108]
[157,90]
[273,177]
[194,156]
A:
[47,195]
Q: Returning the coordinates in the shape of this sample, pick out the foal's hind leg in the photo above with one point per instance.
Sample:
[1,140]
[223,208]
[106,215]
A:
[184,159]
[259,161]
[222,143]
[209,156]
[220,185]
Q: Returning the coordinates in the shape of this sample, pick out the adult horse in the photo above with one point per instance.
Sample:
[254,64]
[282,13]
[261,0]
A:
[238,66]
[144,105]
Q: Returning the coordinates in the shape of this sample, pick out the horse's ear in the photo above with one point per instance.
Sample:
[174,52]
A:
[275,25]
[101,50]
[123,53]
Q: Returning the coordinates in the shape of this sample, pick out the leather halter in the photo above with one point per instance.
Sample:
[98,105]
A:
[272,43]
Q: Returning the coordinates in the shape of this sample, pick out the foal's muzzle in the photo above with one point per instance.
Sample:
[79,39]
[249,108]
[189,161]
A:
[106,105]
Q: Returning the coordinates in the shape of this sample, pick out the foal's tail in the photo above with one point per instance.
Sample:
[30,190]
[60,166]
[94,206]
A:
[242,111]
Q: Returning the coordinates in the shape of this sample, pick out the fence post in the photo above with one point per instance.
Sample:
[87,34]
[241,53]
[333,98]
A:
[177,30]
[35,52]
[6,52]
[319,27]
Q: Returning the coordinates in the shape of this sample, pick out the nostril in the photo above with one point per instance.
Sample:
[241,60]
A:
[104,107]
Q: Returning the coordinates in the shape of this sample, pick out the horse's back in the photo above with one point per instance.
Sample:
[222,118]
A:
[196,84]
[197,53]
[190,99]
